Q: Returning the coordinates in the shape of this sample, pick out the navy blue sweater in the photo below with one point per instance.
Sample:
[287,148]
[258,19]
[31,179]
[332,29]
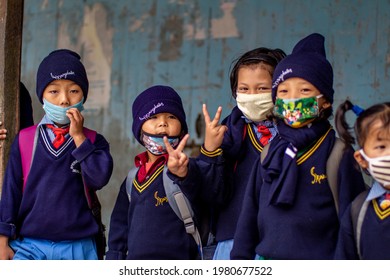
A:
[226,178]
[374,237]
[147,227]
[308,229]
[53,205]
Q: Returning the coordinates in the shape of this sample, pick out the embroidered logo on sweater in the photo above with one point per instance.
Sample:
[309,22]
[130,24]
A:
[159,200]
[75,167]
[382,214]
[317,178]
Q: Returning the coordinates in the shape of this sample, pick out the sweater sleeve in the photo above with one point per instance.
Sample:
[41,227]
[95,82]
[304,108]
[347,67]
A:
[96,162]
[11,195]
[217,168]
[211,171]
[246,237]
[117,239]
[191,184]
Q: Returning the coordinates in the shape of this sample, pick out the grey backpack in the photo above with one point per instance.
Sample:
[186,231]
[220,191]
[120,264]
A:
[178,202]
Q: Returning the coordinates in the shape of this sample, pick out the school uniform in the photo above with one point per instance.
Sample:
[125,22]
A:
[240,151]
[53,205]
[292,214]
[374,231]
[146,227]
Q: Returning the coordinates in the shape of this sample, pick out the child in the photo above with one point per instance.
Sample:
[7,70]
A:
[47,217]
[244,132]
[147,227]
[372,131]
[292,213]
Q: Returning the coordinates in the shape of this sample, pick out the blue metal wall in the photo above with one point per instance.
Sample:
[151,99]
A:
[129,45]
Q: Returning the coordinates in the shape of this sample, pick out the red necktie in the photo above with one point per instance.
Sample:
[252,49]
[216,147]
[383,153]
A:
[265,134]
[59,133]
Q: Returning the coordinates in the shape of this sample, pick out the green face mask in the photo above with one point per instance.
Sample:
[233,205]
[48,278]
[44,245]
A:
[297,111]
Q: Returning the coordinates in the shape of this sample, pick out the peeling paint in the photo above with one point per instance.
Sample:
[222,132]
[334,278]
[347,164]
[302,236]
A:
[95,45]
[171,38]
[225,27]
[44,4]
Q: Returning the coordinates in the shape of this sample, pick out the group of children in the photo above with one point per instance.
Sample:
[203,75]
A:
[263,176]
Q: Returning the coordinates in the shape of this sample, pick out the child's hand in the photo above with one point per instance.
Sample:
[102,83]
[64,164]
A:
[3,134]
[76,126]
[6,253]
[214,131]
[177,160]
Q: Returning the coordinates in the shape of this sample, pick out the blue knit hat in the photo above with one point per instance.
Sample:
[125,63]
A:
[155,100]
[61,64]
[307,61]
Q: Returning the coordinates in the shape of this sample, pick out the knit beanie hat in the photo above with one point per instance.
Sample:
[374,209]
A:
[154,100]
[61,64]
[307,61]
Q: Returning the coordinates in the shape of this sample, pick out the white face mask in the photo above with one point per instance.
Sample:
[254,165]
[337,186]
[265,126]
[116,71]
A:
[379,168]
[255,107]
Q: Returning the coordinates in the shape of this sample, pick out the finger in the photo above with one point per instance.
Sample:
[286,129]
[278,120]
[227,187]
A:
[206,114]
[74,112]
[183,143]
[168,146]
[75,115]
[183,160]
[217,116]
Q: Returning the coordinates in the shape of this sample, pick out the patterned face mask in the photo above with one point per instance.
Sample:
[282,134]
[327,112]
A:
[297,111]
[379,168]
[155,143]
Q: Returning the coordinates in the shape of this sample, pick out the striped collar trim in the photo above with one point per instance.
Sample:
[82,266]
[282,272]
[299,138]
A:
[49,145]
[253,138]
[141,187]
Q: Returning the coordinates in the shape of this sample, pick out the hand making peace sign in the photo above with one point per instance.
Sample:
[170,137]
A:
[214,131]
[177,160]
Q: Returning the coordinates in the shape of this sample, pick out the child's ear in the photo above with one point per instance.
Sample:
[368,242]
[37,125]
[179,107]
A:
[326,104]
[360,159]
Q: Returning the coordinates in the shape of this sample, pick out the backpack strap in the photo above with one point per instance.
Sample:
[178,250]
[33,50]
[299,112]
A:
[358,212]
[27,144]
[332,168]
[177,201]
[182,207]
[129,181]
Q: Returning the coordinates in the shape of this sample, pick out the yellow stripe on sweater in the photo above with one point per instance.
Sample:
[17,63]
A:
[142,187]
[306,155]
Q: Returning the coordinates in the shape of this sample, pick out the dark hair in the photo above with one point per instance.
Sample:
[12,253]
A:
[364,121]
[266,56]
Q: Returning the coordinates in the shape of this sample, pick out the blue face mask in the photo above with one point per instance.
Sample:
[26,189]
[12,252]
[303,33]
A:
[57,113]
[155,143]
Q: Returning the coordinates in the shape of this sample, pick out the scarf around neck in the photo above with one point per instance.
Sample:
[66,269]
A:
[280,166]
